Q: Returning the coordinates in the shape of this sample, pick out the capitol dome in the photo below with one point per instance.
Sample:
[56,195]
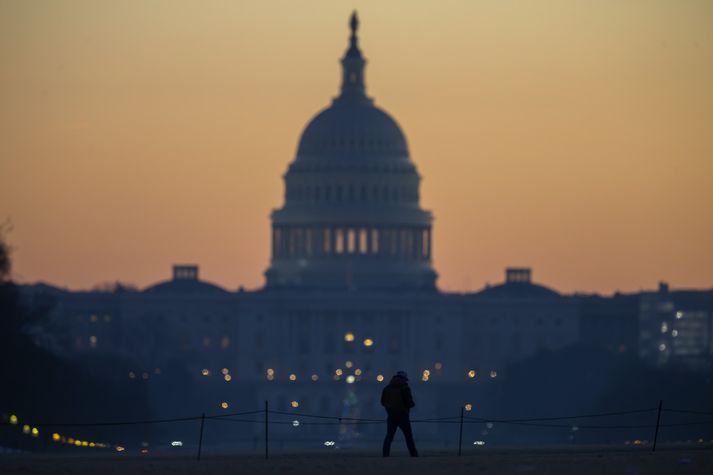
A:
[352,129]
[351,217]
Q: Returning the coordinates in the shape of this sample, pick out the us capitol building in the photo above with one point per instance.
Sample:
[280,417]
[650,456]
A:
[350,296]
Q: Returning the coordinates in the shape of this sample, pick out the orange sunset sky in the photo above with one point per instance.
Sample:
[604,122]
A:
[575,137]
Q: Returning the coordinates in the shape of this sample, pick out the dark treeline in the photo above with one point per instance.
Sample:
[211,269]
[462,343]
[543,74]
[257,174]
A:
[40,387]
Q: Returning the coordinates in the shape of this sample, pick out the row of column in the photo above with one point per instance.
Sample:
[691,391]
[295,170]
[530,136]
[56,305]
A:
[409,242]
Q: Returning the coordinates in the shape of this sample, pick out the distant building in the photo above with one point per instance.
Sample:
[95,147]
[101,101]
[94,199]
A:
[676,328]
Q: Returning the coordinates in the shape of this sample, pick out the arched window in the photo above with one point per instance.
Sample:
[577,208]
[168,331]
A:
[351,241]
[363,241]
[339,241]
[327,240]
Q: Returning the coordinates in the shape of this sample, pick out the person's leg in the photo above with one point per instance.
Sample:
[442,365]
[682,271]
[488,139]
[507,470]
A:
[391,426]
[405,425]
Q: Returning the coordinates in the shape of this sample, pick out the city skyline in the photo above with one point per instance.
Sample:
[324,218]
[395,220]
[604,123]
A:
[144,157]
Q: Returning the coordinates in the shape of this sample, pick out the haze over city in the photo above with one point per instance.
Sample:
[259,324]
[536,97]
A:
[571,139]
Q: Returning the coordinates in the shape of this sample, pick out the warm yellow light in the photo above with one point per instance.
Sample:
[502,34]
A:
[293,377]
[471,374]
[424,378]
[493,374]
[119,448]
[205,372]
[70,441]
[93,341]
[348,364]
[379,377]
[350,379]
[426,372]
[368,342]
[13,419]
[270,377]
[25,429]
[338,372]
[224,405]
[315,377]
[56,437]
[35,432]
[85,443]
[92,444]
[225,371]
[270,372]
[295,404]
[349,336]
[78,443]
[227,378]
[468,407]
[357,372]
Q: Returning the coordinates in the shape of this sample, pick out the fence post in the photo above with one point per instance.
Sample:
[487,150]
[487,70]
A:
[460,433]
[266,429]
[658,422]
[200,437]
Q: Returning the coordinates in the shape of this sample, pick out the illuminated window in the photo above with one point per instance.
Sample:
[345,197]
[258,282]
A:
[351,241]
[368,342]
[293,377]
[93,341]
[468,407]
[363,241]
[205,372]
[225,342]
[349,336]
[295,404]
[471,373]
[224,405]
[339,241]
[374,241]
[379,377]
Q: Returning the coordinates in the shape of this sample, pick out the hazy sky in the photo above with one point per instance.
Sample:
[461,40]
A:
[575,137]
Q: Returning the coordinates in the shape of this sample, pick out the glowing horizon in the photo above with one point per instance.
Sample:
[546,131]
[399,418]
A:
[572,140]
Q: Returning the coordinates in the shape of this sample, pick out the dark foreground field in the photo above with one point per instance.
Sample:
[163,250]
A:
[522,461]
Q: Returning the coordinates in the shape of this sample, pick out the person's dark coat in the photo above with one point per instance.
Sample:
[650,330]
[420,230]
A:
[396,397]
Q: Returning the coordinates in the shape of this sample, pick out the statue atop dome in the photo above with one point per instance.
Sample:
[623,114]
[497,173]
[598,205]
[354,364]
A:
[354,23]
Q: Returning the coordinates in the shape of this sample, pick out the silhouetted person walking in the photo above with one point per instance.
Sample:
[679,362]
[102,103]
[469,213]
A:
[396,398]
